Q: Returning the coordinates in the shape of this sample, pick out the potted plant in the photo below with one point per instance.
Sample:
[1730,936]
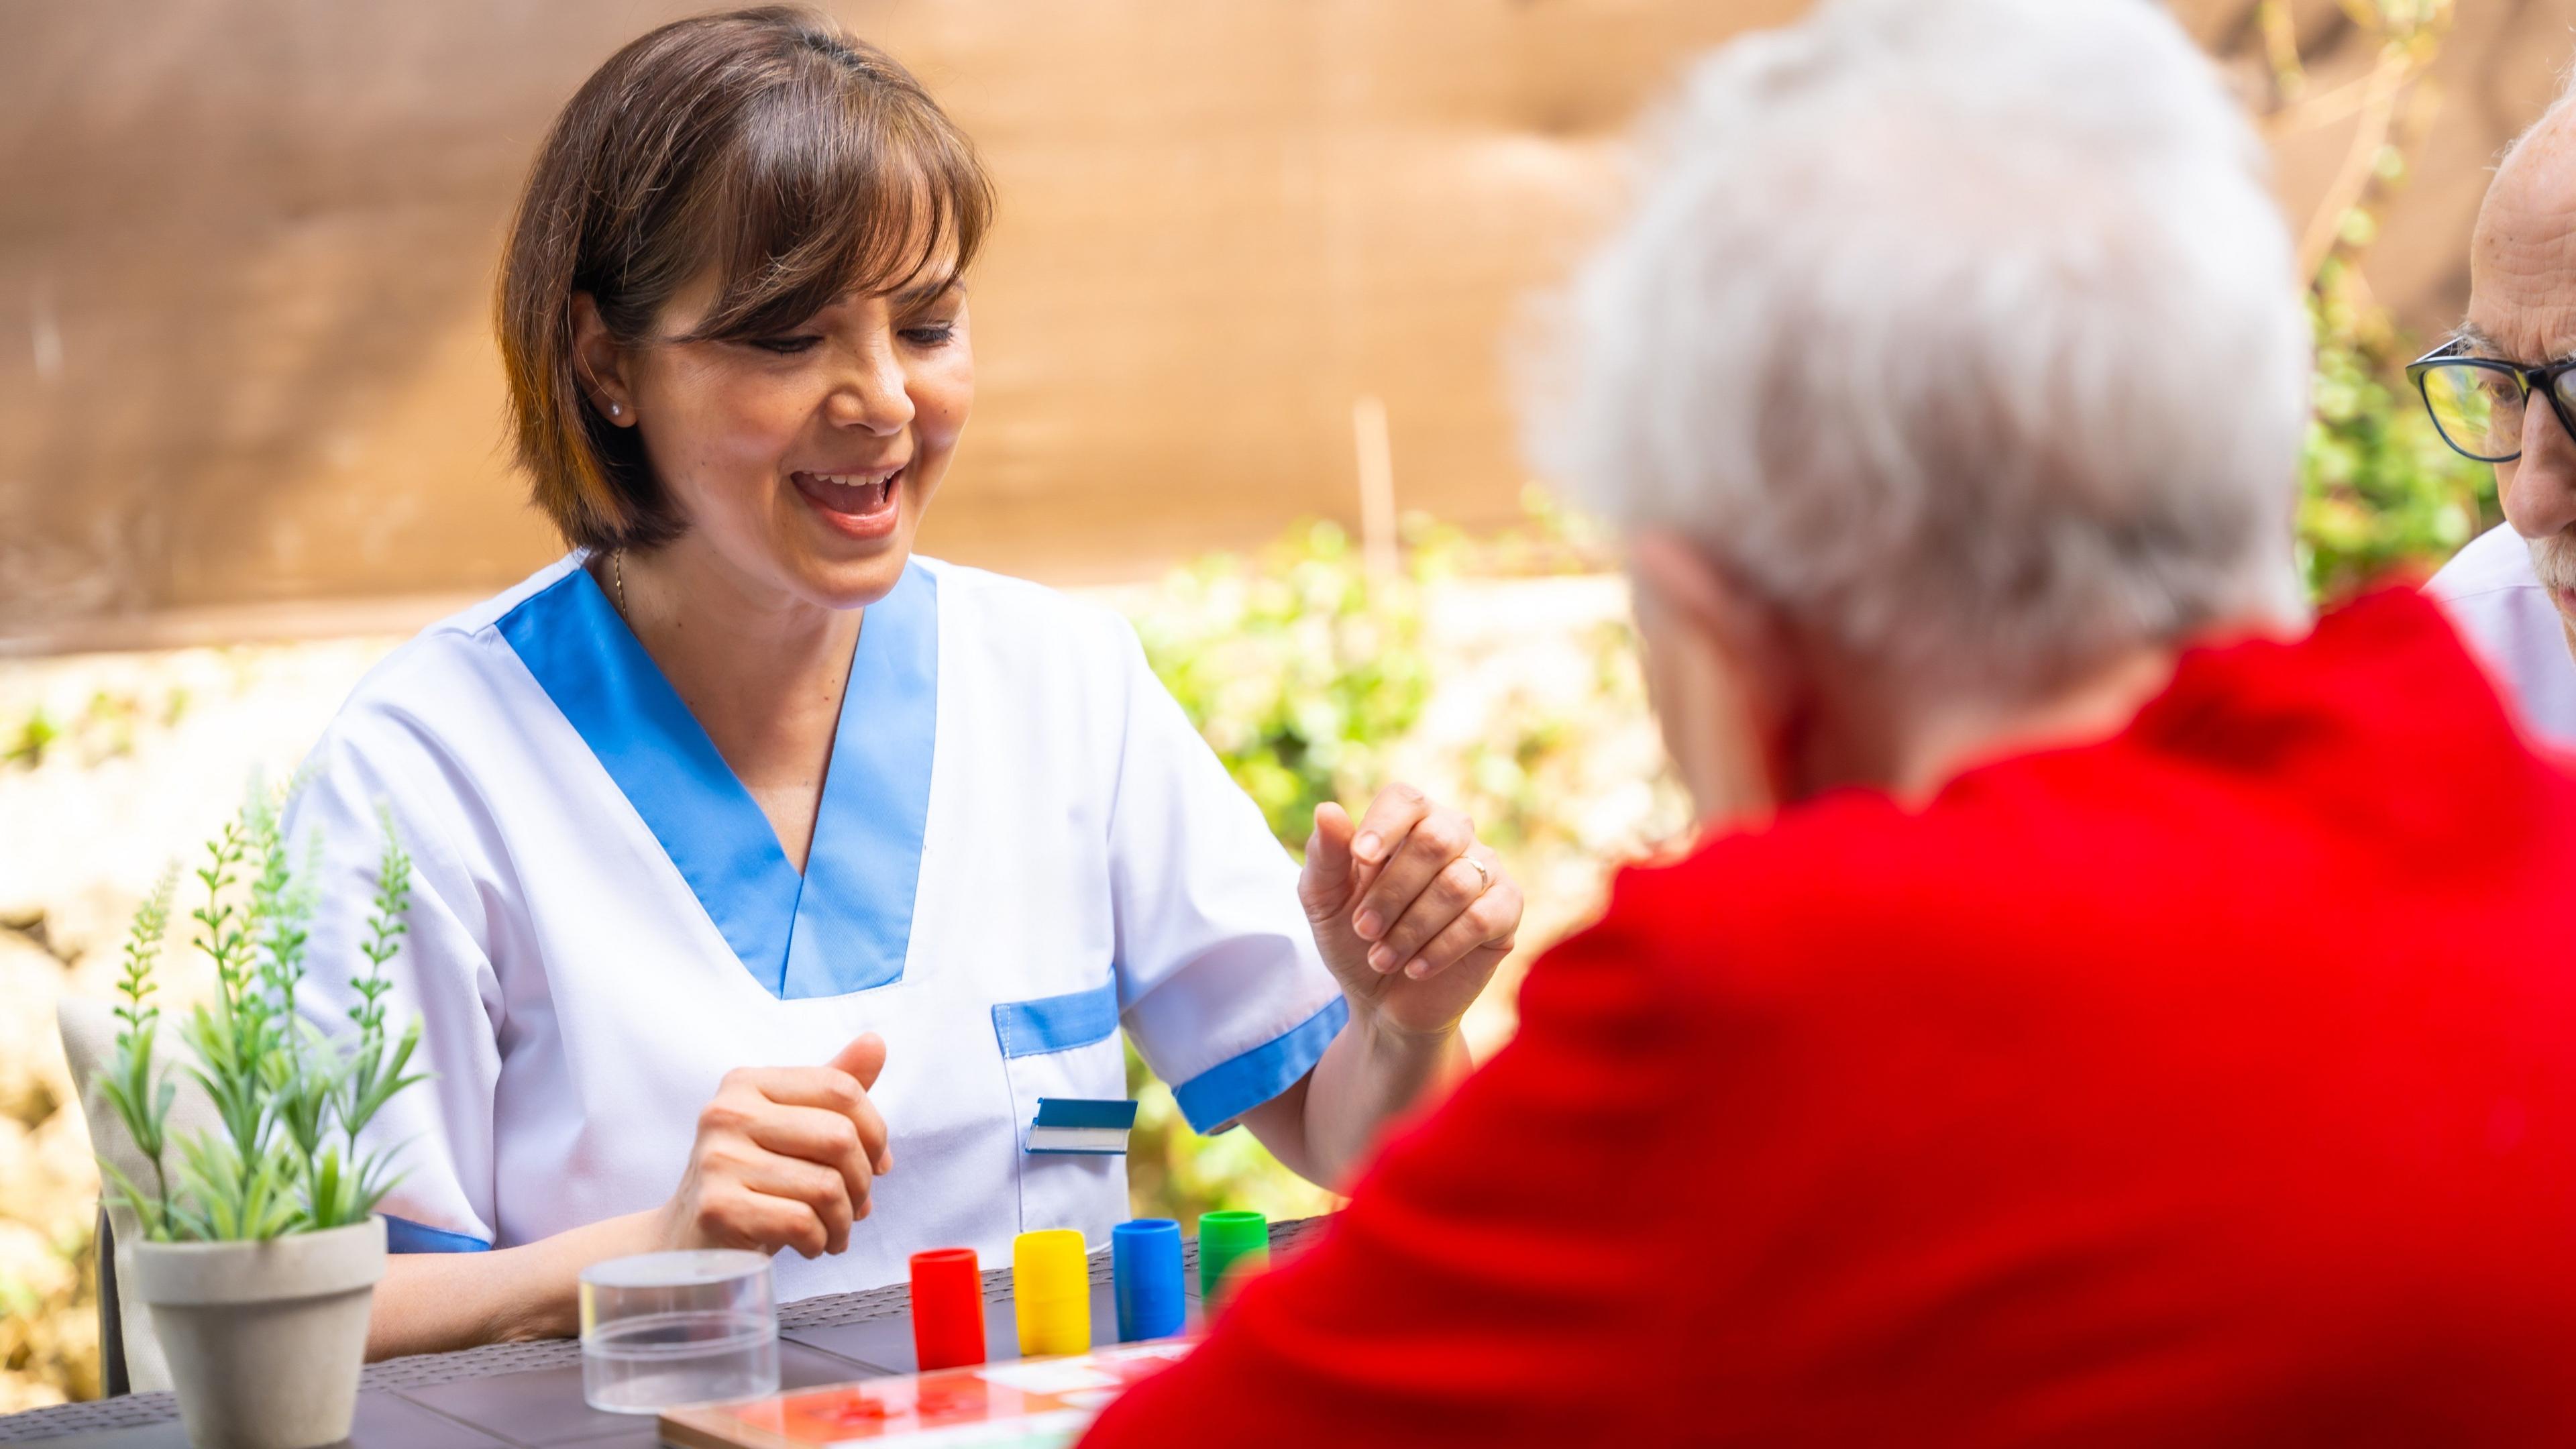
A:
[261,1249]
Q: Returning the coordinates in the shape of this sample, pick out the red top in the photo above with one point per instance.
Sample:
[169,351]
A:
[2215,1084]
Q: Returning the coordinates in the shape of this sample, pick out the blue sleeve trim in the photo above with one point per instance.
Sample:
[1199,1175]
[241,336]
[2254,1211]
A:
[402,1235]
[1057,1023]
[1229,1089]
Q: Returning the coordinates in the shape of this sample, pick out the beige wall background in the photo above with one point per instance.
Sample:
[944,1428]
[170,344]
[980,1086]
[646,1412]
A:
[246,384]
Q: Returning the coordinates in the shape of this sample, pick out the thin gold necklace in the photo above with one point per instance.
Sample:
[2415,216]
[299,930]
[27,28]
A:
[617,570]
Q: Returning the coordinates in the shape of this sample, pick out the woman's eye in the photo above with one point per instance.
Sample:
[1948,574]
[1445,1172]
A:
[785,346]
[930,334]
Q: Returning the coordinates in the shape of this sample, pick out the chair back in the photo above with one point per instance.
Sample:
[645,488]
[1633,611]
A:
[129,1356]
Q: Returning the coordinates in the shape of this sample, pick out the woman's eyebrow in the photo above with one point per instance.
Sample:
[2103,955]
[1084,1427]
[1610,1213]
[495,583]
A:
[928,291]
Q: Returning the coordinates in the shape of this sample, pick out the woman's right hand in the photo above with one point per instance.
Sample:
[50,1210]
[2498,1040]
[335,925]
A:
[784,1158]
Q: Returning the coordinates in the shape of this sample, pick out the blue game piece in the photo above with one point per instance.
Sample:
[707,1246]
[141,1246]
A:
[1145,1264]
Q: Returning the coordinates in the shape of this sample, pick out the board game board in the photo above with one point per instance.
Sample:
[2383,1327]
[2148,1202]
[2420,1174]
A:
[1027,1404]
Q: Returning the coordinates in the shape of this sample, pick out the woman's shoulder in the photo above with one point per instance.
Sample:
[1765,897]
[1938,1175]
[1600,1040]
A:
[427,738]
[442,681]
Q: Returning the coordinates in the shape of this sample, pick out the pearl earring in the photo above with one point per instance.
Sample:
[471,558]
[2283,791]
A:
[612,410]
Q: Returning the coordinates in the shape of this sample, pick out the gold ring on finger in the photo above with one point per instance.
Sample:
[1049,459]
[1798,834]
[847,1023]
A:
[1484,877]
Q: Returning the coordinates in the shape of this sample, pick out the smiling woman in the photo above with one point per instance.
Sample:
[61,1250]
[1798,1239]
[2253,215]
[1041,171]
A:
[717,188]
[756,854]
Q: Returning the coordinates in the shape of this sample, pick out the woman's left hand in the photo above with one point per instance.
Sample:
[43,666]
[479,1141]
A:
[1412,913]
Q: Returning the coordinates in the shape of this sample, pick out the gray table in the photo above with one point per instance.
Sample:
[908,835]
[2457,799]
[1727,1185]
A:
[528,1395]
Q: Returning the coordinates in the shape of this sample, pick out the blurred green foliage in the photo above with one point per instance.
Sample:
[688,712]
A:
[1297,664]
[103,729]
[2382,493]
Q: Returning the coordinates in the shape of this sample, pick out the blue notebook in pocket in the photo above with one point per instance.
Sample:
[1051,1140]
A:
[1081,1125]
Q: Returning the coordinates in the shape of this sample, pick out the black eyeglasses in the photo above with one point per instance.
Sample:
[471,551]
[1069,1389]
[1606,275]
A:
[2477,403]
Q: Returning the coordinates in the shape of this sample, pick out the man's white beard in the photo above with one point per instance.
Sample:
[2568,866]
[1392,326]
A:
[2553,561]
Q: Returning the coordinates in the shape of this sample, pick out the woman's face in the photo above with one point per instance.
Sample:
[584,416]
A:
[802,463]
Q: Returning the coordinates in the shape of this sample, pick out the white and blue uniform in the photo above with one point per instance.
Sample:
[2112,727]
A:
[1022,846]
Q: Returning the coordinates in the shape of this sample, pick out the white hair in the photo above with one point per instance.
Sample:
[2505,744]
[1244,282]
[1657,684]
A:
[2549,114]
[1964,331]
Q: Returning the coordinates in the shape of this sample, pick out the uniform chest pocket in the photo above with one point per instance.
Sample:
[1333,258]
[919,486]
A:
[1065,1047]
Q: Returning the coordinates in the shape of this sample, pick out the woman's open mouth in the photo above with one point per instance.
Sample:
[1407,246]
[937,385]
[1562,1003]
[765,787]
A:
[858,505]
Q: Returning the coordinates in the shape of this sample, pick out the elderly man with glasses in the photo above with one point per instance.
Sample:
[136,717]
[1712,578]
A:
[2503,391]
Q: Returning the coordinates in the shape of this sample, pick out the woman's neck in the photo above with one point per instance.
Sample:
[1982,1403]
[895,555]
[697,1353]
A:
[1949,743]
[1861,732]
[762,671]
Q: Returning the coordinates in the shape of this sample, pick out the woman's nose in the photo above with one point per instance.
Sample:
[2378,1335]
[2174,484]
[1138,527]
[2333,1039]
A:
[874,395]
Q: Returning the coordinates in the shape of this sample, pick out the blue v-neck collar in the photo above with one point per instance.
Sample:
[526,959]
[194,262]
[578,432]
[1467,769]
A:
[845,924]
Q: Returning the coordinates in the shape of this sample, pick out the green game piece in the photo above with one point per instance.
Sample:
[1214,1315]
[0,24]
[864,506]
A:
[1226,1239]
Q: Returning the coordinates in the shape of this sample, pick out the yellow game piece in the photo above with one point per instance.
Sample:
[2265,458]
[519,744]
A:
[1051,1291]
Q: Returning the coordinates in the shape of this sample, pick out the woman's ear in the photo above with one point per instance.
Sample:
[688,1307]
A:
[599,363]
[1726,687]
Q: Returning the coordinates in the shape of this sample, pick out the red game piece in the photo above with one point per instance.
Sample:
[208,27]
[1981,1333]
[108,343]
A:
[947,1308]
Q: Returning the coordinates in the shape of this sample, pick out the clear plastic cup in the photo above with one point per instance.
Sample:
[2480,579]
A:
[659,1330]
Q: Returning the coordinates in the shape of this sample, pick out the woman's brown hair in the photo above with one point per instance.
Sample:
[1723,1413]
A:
[796,162]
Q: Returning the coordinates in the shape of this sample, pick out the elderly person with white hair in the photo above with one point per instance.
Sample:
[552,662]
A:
[2106,1006]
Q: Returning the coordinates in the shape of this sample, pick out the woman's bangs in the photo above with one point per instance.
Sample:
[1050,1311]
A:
[877,198]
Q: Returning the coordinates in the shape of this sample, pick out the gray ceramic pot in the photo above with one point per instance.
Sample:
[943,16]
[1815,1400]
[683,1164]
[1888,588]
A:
[265,1340]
